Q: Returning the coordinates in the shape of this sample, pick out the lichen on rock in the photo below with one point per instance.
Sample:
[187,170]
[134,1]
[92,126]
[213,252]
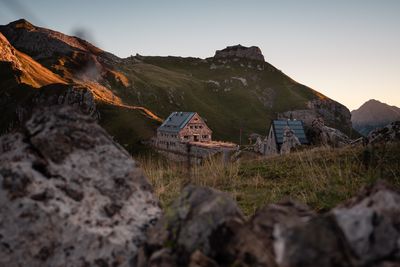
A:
[70,195]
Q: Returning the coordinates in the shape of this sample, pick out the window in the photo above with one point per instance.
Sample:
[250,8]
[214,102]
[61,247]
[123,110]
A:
[205,136]
[186,137]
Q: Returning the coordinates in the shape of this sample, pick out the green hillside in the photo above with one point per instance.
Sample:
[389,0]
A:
[230,94]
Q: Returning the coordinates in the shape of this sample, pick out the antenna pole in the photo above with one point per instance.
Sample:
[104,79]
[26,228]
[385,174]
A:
[240,137]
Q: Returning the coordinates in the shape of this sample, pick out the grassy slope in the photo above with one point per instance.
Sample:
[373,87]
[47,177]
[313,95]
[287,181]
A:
[166,84]
[128,127]
[322,177]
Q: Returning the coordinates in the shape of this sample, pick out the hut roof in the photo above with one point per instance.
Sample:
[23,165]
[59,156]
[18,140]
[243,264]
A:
[176,121]
[296,126]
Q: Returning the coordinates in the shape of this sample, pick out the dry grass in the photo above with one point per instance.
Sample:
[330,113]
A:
[321,177]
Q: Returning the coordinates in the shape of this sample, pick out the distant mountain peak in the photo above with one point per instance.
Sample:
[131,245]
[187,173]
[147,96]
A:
[373,114]
[240,51]
[371,101]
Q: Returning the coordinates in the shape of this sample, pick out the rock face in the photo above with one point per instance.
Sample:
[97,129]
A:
[239,51]
[79,97]
[41,43]
[333,113]
[327,136]
[70,196]
[204,228]
[7,53]
[389,133]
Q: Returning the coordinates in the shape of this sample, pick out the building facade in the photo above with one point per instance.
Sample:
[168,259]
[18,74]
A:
[182,127]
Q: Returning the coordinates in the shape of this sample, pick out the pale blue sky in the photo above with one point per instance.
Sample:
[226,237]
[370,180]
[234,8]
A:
[346,49]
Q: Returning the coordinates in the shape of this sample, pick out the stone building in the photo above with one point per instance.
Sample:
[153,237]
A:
[185,135]
[283,135]
[182,127]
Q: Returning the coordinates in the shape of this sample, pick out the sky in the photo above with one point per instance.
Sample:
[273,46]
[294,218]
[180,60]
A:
[348,50]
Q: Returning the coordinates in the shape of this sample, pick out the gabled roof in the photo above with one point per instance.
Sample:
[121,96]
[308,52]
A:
[297,127]
[176,121]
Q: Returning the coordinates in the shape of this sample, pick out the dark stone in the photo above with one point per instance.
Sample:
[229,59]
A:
[101,263]
[285,214]
[15,183]
[42,196]
[318,242]
[44,253]
[72,191]
[371,223]
[190,221]
[111,209]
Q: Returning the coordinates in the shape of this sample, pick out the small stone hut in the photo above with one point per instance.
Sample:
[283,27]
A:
[284,135]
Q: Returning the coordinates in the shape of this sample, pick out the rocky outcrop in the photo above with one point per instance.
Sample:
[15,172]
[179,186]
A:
[327,136]
[70,196]
[333,113]
[204,228]
[79,97]
[239,51]
[389,133]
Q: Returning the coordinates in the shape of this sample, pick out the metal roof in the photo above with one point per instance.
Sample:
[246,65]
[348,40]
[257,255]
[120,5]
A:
[176,121]
[296,126]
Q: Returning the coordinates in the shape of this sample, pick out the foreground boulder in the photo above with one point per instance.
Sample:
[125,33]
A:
[282,216]
[70,196]
[370,223]
[204,228]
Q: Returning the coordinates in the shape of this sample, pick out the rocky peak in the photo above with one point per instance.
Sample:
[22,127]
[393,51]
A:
[21,24]
[43,43]
[253,52]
